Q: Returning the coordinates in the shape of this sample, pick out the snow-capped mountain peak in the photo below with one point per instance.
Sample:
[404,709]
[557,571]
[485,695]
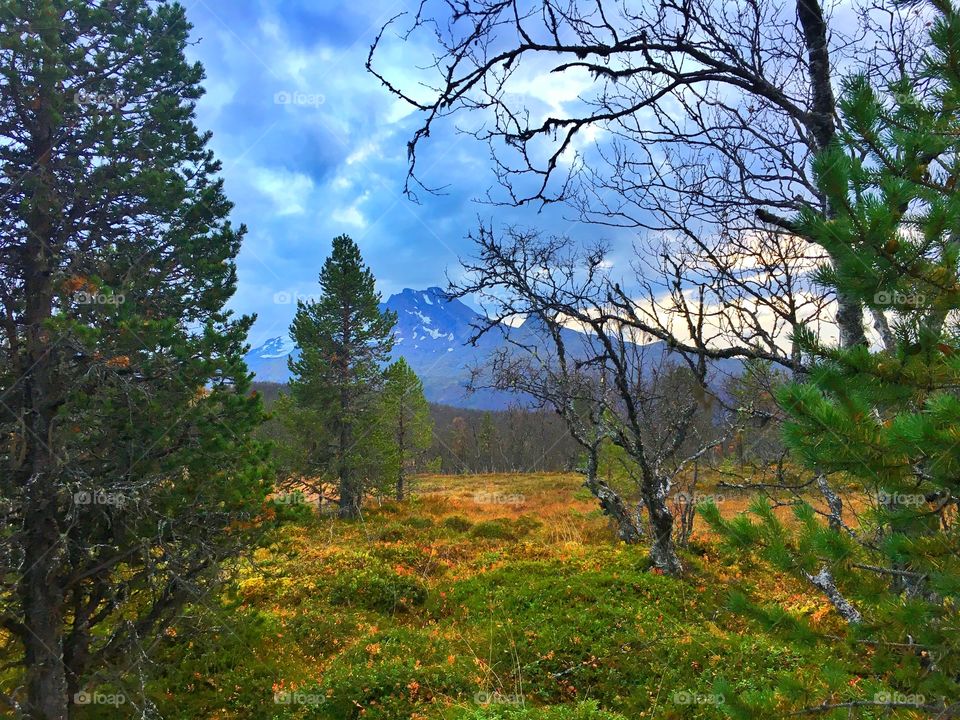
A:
[431,332]
[277,347]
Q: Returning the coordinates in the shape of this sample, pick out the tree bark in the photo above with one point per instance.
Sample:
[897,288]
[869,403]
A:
[401,450]
[823,581]
[611,503]
[349,492]
[822,127]
[663,552]
[40,591]
[834,502]
[42,599]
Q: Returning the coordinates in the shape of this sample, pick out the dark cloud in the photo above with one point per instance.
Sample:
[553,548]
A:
[313,146]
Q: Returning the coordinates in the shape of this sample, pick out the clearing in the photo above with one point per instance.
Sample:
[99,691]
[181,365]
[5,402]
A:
[500,596]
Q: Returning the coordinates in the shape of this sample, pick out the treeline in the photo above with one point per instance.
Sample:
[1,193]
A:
[477,441]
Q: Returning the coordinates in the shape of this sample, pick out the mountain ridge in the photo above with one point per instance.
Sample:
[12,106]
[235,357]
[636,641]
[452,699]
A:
[432,334]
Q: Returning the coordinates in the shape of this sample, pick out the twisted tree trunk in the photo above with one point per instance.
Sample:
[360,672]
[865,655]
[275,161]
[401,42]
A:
[611,504]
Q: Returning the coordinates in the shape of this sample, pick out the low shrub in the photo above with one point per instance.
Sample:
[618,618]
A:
[378,589]
[419,522]
[525,524]
[498,529]
[457,523]
[395,673]
[292,512]
[580,711]
[390,533]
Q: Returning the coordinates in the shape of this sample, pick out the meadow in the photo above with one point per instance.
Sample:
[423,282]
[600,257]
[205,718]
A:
[497,597]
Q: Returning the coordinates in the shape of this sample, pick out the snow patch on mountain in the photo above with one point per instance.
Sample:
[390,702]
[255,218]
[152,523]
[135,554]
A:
[430,326]
[277,347]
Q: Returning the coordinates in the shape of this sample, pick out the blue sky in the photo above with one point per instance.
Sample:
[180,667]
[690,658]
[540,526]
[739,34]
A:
[312,146]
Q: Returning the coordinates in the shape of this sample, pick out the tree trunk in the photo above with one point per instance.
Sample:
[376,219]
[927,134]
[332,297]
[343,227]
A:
[823,581]
[611,503]
[822,127]
[401,450]
[350,493]
[42,599]
[850,321]
[834,502]
[663,553]
[40,591]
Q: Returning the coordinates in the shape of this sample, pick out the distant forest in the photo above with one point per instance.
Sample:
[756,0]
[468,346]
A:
[477,441]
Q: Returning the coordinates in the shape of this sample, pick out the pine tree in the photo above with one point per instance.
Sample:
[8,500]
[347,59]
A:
[127,473]
[486,441]
[887,421]
[405,415]
[344,340]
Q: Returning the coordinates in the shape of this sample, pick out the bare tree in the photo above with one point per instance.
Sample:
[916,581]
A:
[598,379]
[696,120]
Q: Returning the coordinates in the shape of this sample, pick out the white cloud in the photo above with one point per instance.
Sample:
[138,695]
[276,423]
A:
[218,95]
[270,28]
[352,215]
[286,190]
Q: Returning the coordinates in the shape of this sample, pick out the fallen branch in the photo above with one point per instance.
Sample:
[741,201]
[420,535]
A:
[823,581]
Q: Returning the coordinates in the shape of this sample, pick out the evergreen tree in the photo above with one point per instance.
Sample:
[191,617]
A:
[461,445]
[127,473]
[486,442]
[408,429]
[344,339]
[888,420]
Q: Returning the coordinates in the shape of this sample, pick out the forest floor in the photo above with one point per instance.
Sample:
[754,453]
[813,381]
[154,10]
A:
[502,597]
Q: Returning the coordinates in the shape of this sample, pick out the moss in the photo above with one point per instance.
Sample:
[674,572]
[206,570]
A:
[499,529]
[378,589]
[458,523]
[419,522]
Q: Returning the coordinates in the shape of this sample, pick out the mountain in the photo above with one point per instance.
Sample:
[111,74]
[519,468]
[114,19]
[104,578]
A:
[432,335]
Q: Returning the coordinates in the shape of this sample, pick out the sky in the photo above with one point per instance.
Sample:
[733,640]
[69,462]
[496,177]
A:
[313,146]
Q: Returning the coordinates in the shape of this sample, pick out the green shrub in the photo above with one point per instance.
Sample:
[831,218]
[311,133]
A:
[498,529]
[389,533]
[298,511]
[581,711]
[583,493]
[392,675]
[419,522]
[525,524]
[457,523]
[378,589]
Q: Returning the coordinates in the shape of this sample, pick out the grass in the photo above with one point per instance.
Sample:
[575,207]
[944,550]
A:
[498,597]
